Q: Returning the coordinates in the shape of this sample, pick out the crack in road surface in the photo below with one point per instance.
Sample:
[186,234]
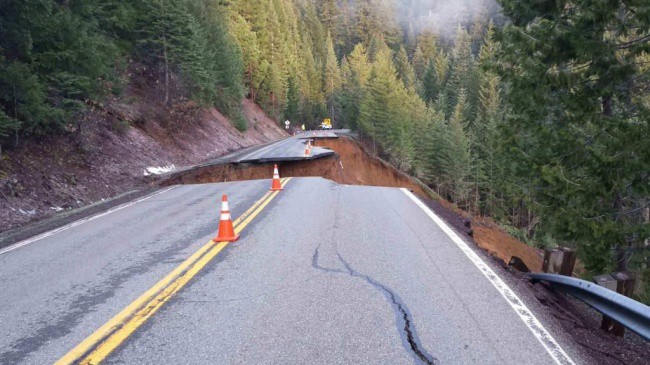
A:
[314,263]
[401,311]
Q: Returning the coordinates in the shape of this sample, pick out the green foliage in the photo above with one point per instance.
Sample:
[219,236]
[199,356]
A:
[53,57]
[456,157]
[57,55]
[431,84]
[405,71]
[293,99]
[239,121]
[543,126]
[189,38]
[23,99]
[7,124]
[580,133]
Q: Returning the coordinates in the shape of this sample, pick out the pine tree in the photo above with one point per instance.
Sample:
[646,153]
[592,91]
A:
[456,159]
[333,21]
[461,69]
[53,56]
[331,75]
[293,99]
[377,112]
[355,79]
[405,71]
[420,63]
[430,84]
[579,134]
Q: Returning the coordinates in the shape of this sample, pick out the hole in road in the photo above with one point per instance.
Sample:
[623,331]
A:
[352,164]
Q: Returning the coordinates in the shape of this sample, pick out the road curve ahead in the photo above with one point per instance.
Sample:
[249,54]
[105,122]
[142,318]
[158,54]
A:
[323,273]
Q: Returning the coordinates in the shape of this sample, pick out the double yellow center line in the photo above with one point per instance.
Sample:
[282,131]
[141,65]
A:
[108,337]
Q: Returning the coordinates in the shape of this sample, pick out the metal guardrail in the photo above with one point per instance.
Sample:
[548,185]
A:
[626,311]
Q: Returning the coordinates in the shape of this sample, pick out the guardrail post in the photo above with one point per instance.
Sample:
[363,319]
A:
[622,283]
[559,260]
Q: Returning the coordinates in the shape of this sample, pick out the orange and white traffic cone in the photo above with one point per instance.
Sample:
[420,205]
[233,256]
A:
[276,185]
[226,230]
[307,149]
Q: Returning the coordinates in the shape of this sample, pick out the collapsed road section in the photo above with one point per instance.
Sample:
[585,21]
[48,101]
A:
[332,155]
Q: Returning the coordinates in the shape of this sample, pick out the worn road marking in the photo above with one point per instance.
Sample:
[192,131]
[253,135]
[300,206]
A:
[108,337]
[533,324]
[80,222]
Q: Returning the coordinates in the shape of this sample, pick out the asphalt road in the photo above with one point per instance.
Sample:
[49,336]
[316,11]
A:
[326,273]
[289,149]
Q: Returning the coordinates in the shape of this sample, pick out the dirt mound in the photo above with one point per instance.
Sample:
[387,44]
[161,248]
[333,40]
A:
[492,238]
[109,151]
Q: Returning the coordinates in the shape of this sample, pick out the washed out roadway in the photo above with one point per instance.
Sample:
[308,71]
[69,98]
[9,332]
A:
[289,149]
[327,273]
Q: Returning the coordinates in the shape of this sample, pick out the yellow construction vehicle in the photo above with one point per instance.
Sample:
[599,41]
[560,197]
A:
[327,124]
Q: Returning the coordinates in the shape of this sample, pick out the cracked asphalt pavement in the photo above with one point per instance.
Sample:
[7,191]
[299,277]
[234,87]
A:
[327,273]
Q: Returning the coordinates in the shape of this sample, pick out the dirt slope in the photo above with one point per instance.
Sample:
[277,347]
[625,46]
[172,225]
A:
[106,157]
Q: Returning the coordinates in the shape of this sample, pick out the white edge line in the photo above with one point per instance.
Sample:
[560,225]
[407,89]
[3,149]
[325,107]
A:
[533,324]
[79,222]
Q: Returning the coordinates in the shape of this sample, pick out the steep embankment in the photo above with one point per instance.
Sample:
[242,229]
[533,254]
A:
[111,153]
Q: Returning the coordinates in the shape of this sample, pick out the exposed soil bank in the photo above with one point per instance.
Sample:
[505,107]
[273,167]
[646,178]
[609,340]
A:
[359,167]
[108,152]
[364,169]
[352,166]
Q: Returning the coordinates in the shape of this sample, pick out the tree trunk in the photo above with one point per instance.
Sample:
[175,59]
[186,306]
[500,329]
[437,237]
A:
[621,251]
[251,91]
[166,101]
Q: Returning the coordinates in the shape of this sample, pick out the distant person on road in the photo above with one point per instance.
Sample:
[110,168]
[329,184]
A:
[303,127]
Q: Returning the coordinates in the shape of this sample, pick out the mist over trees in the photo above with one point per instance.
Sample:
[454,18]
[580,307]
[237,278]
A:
[534,113]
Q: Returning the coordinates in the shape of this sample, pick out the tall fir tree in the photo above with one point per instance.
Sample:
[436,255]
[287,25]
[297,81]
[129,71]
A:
[580,131]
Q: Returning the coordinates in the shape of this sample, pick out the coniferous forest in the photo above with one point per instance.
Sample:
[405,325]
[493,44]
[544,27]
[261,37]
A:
[533,113]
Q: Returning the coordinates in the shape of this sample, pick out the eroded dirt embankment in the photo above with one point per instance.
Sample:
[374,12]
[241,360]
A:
[352,165]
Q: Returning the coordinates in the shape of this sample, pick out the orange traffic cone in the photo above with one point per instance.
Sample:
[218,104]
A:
[276,186]
[307,149]
[226,230]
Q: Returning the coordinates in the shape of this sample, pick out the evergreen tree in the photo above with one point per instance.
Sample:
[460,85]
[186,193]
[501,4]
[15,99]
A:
[331,75]
[456,159]
[420,63]
[431,83]
[355,79]
[293,99]
[580,129]
[405,71]
[53,56]
[333,22]
[461,69]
